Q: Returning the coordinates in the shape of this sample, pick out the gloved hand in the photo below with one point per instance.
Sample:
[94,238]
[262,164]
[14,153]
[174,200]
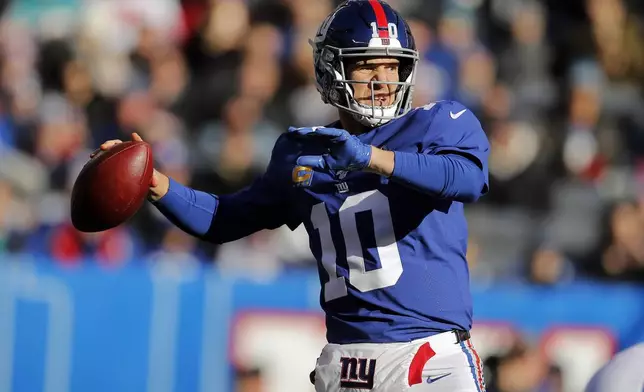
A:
[345,151]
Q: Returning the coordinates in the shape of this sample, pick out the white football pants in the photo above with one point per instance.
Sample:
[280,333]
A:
[434,364]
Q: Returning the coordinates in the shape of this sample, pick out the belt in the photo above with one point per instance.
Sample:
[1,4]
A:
[461,335]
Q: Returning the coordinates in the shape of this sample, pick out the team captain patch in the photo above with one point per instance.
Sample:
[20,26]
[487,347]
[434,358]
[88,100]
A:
[302,176]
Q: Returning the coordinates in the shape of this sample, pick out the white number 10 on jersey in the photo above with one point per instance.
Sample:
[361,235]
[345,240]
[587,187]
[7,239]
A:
[387,248]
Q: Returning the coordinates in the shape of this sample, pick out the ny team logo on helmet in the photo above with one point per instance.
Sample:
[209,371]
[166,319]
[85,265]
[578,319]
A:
[362,29]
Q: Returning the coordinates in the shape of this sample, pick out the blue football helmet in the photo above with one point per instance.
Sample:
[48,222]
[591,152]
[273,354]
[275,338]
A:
[364,28]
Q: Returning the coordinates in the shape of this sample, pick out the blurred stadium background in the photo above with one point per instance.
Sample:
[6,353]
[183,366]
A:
[556,249]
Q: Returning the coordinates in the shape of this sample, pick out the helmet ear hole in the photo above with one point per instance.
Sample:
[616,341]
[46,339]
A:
[405,69]
[335,96]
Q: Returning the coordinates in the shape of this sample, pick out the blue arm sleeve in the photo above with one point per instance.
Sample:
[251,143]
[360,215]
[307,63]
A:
[225,218]
[191,210]
[445,176]
[452,160]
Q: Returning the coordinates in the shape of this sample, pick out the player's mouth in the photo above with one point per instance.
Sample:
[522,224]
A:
[379,100]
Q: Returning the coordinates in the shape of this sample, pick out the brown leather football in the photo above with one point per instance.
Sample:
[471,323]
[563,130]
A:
[112,187]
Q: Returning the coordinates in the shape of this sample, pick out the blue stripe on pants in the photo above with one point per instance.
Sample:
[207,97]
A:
[472,365]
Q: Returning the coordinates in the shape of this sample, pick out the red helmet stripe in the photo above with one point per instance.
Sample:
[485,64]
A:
[381,18]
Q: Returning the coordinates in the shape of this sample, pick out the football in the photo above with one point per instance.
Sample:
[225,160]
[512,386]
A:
[112,187]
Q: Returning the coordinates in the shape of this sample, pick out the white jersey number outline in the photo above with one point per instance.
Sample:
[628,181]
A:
[391,264]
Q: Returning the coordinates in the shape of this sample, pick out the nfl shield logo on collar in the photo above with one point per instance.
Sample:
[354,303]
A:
[302,176]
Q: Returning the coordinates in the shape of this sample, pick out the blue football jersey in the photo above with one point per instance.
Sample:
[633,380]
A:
[391,259]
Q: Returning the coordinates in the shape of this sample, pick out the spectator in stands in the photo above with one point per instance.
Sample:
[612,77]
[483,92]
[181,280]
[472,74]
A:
[9,237]
[620,253]
[521,369]
[249,380]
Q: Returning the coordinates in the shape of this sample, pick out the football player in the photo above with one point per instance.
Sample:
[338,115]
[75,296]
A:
[622,373]
[381,193]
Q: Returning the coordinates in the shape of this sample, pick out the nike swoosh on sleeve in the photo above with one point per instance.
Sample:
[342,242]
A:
[457,115]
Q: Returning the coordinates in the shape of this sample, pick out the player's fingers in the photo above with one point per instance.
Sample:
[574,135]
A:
[109,144]
[312,135]
[312,161]
[330,132]
[322,135]
[301,131]
[155,179]
[307,131]
[136,137]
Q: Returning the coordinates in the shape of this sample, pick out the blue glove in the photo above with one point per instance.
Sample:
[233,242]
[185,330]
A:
[345,151]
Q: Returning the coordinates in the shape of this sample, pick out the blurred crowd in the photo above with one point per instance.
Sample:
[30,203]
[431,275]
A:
[212,83]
